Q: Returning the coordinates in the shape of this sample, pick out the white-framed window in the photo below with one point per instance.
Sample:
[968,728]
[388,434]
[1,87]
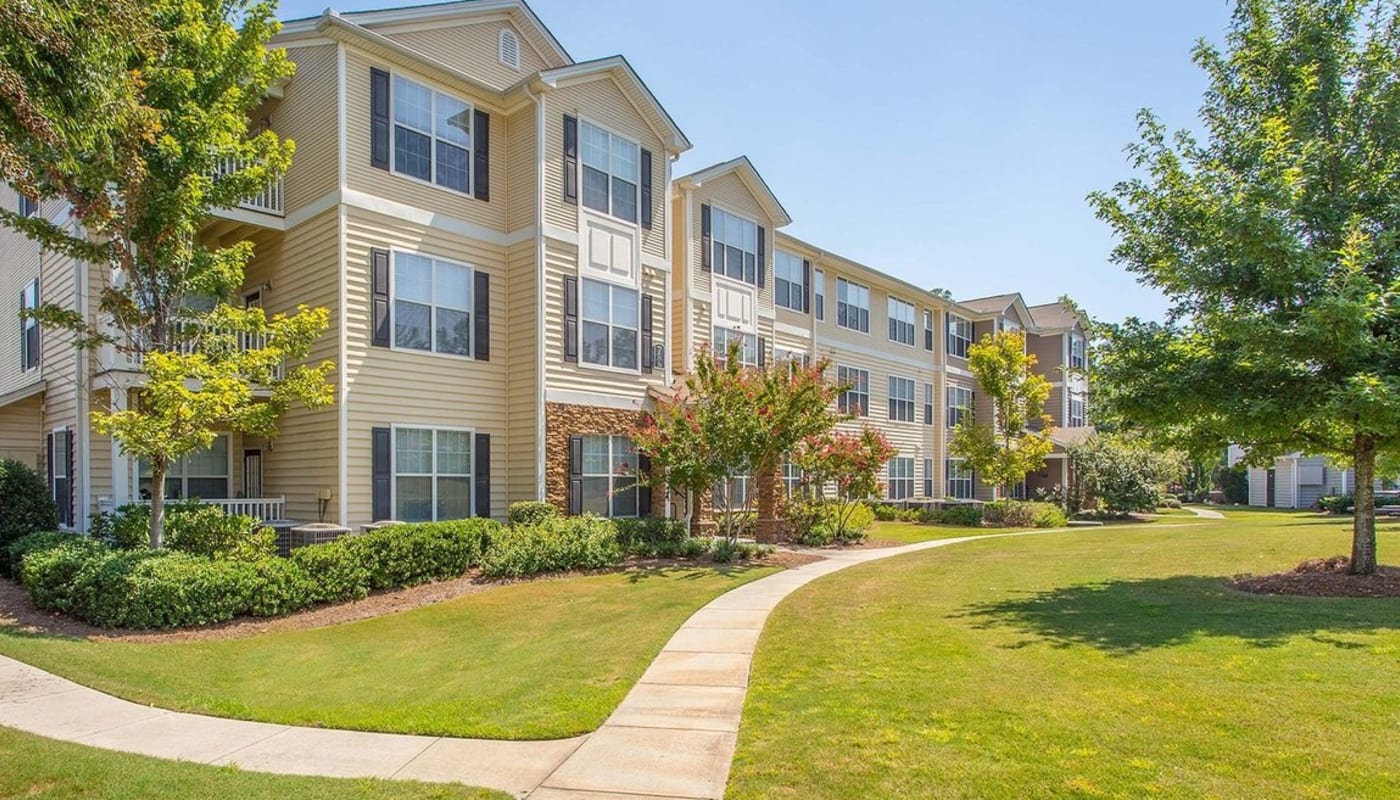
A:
[611,321]
[732,494]
[508,48]
[928,477]
[852,305]
[856,399]
[61,469]
[819,294]
[901,321]
[1076,351]
[928,404]
[610,476]
[611,167]
[432,135]
[27,205]
[748,345]
[1009,325]
[203,474]
[901,478]
[960,479]
[792,479]
[959,405]
[959,335]
[432,474]
[928,330]
[790,286]
[432,304]
[901,399]
[29,346]
[1078,411]
[735,243]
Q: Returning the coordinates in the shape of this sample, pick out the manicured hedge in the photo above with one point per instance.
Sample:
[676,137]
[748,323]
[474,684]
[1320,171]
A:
[25,506]
[1023,514]
[564,543]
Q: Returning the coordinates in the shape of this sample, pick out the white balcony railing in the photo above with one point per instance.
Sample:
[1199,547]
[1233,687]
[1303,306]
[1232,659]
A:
[112,358]
[268,201]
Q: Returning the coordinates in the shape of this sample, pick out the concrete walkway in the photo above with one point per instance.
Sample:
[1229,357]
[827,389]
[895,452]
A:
[672,737]
[1204,513]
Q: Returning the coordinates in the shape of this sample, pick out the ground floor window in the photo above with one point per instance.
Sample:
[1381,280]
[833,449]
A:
[609,474]
[959,479]
[901,473]
[202,475]
[733,494]
[928,477]
[432,474]
[792,479]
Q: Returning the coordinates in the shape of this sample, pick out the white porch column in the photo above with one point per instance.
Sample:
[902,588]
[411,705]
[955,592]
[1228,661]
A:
[121,465]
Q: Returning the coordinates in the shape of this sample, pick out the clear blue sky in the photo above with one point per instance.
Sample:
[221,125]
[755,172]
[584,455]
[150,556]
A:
[950,143]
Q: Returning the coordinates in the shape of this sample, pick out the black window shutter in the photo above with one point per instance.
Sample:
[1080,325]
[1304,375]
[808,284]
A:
[646,333]
[23,337]
[481,328]
[762,255]
[571,319]
[643,492]
[762,349]
[482,478]
[34,346]
[646,188]
[705,245]
[570,159]
[379,118]
[806,286]
[928,334]
[575,475]
[481,154]
[71,495]
[379,266]
[381,449]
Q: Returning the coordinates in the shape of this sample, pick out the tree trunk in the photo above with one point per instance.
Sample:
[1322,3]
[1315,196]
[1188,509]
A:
[157,503]
[1363,536]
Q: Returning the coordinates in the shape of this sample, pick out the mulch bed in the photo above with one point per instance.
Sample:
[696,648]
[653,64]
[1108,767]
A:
[17,612]
[1323,577]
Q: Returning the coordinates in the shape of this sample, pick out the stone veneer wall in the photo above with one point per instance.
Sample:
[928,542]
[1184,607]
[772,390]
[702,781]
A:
[564,420]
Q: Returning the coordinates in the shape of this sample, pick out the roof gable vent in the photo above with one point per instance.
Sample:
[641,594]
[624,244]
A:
[509,48]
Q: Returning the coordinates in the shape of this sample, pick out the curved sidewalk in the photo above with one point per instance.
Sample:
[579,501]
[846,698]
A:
[672,737]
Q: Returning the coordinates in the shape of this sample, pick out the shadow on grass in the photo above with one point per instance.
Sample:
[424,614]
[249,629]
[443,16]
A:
[688,572]
[1131,616]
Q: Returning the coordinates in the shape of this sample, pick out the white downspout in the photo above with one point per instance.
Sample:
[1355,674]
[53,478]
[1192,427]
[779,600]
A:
[540,288]
[343,410]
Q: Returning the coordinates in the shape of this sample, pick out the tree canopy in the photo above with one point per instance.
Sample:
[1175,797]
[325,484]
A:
[1005,448]
[1275,237]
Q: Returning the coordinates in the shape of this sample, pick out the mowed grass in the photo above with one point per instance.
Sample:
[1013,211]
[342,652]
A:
[912,532]
[537,660]
[43,768]
[1096,663]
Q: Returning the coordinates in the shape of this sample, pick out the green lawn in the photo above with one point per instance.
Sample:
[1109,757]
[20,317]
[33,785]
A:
[43,768]
[911,532]
[536,660]
[1093,663]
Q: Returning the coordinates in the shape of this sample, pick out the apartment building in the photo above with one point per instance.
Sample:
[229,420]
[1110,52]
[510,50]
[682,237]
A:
[512,274]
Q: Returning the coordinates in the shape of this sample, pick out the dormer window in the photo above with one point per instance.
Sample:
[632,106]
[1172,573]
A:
[509,46]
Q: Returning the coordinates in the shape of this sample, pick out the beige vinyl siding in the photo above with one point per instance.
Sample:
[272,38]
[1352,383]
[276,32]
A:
[59,364]
[518,134]
[21,435]
[521,336]
[1258,487]
[20,257]
[474,49]
[99,451]
[409,191]
[307,116]
[681,266]
[603,103]
[302,266]
[1057,406]
[560,261]
[1049,352]
[729,193]
[390,387]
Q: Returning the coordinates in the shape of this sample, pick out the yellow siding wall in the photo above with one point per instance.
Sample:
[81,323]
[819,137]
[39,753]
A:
[474,50]
[307,115]
[20,436]
[518,135]
[522,381]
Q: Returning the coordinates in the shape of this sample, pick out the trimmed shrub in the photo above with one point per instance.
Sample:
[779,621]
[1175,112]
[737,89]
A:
[127,528]
[1334,503]
[27,507]
[968,515]
[530,512]
[414,553]
[654,537]
[885,512]
[49,572]
[910,515]
[1022,514]
[336,572]
[13,555]
[849,521]
[204,530]
[564,543]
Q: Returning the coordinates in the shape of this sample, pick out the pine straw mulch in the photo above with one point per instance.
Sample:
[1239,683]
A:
[18,613]
[1323,577]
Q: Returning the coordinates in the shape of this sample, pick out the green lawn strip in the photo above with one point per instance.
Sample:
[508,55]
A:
[537,660]
[43,768]
[912,532]
[1093,663]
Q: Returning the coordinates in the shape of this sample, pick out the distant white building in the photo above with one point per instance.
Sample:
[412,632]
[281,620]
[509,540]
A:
[1295,480]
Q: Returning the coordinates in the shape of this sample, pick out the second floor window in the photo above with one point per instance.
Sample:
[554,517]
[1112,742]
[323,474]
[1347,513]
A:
[791,289]
[819,294]
[901,399]
[856,399]
[928,404]
[928,330]
[432,136]
[1076,352]
[611,172]
[611,317]
[432,304]
[29,339]
[1078,416]
[959,405]
[901,471]
[901,321]
[852,305]
[959,336]
[735,242]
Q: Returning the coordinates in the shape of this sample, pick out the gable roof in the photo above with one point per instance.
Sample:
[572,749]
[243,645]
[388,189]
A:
[748,173]
[620,70]
[995,304]
[1056,316]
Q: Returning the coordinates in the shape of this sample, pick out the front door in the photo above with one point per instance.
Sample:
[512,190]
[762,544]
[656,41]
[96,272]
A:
[252,473]
[1271,483]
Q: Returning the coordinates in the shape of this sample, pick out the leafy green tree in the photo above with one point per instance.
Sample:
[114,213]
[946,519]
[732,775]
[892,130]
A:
[1275,239]
[141,183]
[1122,474]
[1005,449]
[852,462]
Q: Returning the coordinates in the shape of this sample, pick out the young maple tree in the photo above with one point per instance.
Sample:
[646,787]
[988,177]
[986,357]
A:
[1005,449]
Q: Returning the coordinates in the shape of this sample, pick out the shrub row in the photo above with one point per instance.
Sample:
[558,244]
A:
[25,506]
[1023,514]
[585,542]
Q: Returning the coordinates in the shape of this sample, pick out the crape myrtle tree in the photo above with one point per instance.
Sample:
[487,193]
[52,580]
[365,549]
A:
[1005,448]
[163,93]
[726,419]
[1274,236]
[850,462]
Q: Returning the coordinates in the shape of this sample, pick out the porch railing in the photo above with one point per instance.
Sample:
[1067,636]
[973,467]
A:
[268,201]
[261,509]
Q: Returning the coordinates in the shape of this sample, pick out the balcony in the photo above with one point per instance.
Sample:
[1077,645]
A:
[263,210]
[114,359]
